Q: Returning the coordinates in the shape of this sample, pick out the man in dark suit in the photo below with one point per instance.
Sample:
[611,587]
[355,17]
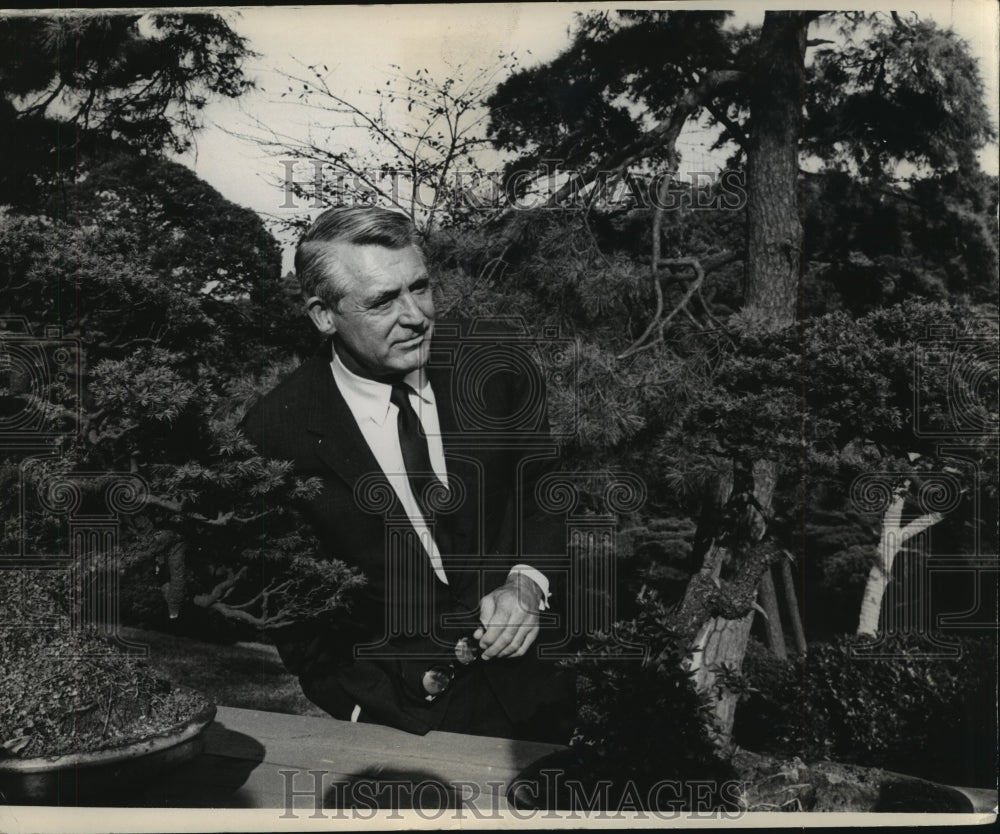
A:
[429,457]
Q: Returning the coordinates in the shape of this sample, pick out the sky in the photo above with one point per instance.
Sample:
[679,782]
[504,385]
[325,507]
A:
[360,43]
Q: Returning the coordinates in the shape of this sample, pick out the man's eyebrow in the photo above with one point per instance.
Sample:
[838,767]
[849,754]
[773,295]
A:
[419,283]
[381,298]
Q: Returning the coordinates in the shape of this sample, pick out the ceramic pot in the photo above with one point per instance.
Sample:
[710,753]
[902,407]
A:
[74,777]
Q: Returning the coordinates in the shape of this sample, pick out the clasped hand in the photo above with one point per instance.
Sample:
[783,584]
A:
[509,616]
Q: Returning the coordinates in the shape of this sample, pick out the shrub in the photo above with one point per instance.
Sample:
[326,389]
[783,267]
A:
[642,722]
[931,716]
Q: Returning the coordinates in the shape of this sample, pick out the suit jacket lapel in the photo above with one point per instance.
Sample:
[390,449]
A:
[342,447]
[340,443]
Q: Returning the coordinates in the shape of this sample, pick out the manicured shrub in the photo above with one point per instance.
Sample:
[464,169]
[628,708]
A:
[913,711]
[640,722]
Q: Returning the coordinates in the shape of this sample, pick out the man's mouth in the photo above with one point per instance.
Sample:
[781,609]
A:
[412,343]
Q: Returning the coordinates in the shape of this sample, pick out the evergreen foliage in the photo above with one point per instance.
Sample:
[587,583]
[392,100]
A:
[171,302]
[640,724]
[889,711]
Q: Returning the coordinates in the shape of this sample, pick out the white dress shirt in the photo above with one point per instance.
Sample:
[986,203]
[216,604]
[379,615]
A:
[375,415]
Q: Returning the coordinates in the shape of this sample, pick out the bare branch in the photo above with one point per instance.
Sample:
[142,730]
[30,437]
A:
[220,591]
[659,322]
[654,267]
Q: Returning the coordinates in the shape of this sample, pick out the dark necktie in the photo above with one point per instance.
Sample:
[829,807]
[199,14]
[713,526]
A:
[416,457]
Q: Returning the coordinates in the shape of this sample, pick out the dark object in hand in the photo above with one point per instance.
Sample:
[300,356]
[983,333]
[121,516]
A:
[467,649]
[439,677]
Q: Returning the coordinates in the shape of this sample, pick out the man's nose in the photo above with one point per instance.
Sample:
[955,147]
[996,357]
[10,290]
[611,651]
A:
[412,314]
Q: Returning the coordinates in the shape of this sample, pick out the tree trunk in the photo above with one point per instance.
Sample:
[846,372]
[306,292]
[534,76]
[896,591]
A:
[772,271]
[723,643]
[891,540]
[772,621]
[792,600]
[871,602]
[774,231]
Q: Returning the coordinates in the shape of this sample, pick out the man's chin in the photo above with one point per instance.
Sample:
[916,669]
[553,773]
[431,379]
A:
[411,361]
[413,356]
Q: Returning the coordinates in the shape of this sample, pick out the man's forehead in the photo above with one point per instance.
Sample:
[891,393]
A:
[371,267]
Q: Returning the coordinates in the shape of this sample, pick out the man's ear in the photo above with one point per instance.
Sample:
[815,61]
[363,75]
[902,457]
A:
[322,316]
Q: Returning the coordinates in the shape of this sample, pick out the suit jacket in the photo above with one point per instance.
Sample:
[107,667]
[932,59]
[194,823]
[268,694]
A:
[495,433]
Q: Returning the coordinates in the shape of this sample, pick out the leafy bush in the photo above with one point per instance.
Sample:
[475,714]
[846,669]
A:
[885,712]
[642,722]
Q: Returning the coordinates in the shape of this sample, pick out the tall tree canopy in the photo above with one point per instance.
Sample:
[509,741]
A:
[897,91]
[892,116]
[888,110]
[140,81]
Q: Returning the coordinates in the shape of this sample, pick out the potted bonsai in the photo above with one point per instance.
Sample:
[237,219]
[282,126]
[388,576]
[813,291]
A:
[77,714]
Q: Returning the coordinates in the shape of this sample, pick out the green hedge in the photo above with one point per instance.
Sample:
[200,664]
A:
[933,717]
[641,722]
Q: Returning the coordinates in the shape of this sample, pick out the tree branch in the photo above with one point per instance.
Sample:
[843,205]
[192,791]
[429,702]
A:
[220,591]
[221,520]
[899,22]
[918,525]
[659,322]
[42,104]
[732,128]
[662,137]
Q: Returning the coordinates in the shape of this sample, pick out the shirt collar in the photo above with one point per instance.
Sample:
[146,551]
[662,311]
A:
[369,399]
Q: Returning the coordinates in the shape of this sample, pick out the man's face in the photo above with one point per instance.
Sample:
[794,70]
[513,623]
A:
[385,319]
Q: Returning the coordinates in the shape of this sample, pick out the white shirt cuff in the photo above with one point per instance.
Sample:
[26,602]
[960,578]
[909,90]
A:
[538,578]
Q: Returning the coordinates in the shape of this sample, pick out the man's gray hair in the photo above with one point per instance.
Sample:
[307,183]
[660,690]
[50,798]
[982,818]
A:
[358,225]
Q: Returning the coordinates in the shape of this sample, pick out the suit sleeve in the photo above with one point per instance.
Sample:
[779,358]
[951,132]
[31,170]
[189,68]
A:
[539,533]
[544,530]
